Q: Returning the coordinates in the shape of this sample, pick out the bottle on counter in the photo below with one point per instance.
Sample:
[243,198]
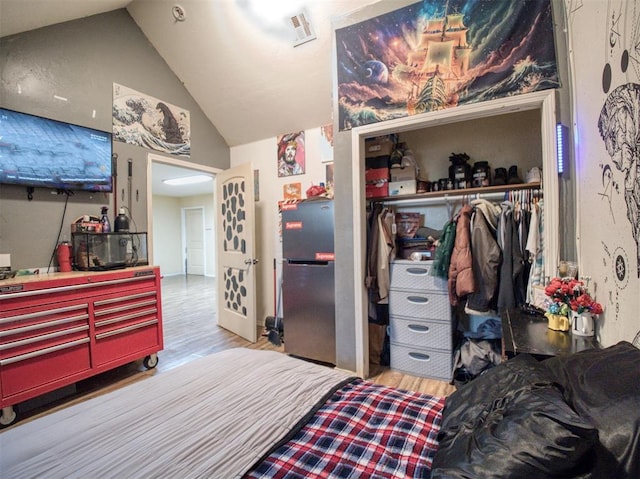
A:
[64,257]
[104,220]
[121,223]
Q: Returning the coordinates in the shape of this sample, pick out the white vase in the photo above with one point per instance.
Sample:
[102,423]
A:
[582,324]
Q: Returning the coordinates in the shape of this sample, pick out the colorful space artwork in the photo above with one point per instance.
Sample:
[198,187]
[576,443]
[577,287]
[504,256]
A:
[142,120]
[439,54]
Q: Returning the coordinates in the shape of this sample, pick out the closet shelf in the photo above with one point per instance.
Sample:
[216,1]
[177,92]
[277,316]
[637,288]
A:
[443,197]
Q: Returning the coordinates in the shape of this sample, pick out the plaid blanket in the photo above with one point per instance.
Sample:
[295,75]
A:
[363,430]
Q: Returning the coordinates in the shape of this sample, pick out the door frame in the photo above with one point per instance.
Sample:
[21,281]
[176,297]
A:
[154,157]
[544,101]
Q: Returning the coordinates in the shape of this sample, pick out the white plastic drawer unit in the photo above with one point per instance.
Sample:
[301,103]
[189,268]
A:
[421,334]
[420,305]
[423,363]
[415,275]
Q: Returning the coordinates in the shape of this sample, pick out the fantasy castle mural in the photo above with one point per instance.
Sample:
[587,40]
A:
[438,54]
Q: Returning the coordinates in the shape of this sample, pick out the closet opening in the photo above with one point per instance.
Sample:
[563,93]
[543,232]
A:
[543,102]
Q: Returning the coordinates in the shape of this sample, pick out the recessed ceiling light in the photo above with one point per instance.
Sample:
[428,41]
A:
[188,180]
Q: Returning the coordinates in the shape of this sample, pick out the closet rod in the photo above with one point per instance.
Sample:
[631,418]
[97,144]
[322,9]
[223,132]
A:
[445,198]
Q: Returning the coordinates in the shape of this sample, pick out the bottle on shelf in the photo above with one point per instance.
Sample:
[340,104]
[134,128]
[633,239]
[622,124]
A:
[104,220]
[459,171]
[481,174]
[500,178]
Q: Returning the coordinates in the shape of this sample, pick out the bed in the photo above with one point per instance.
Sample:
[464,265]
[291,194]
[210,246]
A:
[247,413]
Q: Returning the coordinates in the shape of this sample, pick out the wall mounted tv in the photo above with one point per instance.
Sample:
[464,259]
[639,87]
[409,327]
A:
[36,151]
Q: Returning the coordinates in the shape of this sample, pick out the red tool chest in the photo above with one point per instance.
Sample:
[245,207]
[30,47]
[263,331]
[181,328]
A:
[56,329]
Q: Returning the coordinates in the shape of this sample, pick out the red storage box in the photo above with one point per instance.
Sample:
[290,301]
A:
[377,189]
[374,175]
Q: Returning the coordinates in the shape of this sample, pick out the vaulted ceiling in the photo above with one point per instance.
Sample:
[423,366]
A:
[235,57]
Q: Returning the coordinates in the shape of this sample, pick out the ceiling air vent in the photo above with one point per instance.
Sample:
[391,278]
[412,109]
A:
[303,29]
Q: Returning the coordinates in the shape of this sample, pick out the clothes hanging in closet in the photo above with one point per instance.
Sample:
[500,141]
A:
[442,256]
[380,246]
[511,267]
[370,280]
[487,257]
[523,219]
[535,247]
[386,246]
[461,281]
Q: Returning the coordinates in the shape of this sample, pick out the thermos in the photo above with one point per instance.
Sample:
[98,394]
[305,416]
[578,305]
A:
[121,223]
[64,257]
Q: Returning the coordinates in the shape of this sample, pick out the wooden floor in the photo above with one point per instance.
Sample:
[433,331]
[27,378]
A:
[190,332]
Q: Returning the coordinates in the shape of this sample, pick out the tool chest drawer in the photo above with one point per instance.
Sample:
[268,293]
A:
[21,373]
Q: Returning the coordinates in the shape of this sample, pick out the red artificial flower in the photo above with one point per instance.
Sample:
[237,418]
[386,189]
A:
[573,293]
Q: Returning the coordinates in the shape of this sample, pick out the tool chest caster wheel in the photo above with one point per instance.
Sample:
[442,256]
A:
[8,417]
[150,361]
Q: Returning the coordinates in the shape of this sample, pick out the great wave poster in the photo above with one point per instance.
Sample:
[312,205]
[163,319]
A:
[142,120]
[439,54]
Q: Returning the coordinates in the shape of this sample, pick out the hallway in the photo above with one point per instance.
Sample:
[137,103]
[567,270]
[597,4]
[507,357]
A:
[189,322]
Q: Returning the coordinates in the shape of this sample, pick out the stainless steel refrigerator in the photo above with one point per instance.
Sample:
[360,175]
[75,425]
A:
[308,296]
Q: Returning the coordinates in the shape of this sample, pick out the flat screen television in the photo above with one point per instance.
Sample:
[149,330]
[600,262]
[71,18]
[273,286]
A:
[40,152]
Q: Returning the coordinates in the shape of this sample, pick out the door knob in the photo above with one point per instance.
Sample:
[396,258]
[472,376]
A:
[251,261]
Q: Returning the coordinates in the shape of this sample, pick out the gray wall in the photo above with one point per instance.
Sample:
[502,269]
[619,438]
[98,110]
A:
[80,61]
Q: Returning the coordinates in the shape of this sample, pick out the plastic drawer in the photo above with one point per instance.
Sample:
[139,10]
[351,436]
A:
[415,275]
[421,334]
[421,362]
[420,305]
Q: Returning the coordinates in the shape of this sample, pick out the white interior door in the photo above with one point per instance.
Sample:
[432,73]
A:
[194,240]
[236,259]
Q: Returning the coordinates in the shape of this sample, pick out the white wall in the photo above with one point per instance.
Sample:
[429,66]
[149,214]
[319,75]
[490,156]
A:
[263,155]
[207,203]
[607,249]
[167,232]
[166,237]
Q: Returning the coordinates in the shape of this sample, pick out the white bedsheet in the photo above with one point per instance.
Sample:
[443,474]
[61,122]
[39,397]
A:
[213,417]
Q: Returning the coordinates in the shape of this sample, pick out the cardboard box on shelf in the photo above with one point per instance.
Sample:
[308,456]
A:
[399,188]
[403,173]
[380,145]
